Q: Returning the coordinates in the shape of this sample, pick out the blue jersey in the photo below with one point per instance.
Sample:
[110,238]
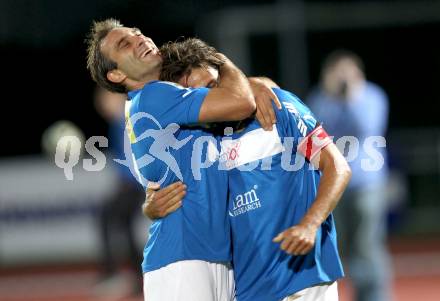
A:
[164,147]
[271,189]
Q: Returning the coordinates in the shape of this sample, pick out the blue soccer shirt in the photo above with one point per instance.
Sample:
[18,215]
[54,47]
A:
[271,189]
[164,148]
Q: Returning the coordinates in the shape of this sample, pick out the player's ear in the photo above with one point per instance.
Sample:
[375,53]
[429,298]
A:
[116,76]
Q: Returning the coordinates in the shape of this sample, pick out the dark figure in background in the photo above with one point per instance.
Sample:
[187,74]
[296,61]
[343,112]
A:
[117,214]
[349,105]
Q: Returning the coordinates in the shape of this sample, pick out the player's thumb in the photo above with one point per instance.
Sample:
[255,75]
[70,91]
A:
[279,237]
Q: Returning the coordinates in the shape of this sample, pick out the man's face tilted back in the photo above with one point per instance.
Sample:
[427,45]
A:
[137,57]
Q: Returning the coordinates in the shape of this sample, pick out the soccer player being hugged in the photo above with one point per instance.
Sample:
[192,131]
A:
[283,185]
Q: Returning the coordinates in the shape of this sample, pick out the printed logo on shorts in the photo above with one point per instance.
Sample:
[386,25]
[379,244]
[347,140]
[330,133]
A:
[245,202]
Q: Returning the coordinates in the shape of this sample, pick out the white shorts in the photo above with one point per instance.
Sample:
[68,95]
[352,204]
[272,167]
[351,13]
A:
[324,292]
[190,280]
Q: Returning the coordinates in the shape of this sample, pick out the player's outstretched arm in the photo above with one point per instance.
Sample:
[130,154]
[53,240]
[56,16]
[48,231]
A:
[231,100]
[300,239]
[161,202]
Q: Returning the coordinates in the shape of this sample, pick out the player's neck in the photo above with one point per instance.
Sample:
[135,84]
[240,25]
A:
[136,85]
[151,76]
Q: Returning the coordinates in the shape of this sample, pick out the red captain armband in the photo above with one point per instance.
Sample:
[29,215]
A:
[314,142]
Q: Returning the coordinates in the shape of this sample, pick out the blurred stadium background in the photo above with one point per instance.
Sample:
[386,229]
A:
[48,232]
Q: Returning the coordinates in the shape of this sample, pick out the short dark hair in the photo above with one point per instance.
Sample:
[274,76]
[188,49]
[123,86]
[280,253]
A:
[97,63]
[334,57]
[178,58]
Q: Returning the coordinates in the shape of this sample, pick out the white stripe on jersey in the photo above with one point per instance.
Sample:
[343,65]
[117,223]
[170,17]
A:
[252,146]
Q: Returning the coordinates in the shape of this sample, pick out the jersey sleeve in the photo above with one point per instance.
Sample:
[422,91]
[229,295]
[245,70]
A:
[297,121]
[171,103]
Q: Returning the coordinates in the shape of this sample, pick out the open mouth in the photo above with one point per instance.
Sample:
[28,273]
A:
[146,52]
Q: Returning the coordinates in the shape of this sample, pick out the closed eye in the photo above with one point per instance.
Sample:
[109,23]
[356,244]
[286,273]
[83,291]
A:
[122,43]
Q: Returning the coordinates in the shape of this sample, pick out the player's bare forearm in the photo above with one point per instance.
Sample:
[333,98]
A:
[267,81]
[233,79]
[335,176]
[300,239]
[231,100]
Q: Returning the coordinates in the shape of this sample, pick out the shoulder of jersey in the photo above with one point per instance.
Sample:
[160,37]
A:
[290,106]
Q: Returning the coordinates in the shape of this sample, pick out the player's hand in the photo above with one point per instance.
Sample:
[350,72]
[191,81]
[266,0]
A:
[297,240]
[263,98]
[161,202]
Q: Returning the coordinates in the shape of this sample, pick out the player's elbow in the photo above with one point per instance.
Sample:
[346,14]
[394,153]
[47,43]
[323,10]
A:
[333,163]
[343,170]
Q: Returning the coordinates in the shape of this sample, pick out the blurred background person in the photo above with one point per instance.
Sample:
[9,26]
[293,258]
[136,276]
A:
[349,105]
[118,213]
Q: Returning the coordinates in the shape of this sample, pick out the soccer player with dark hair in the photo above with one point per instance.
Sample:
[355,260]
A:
[272,201]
